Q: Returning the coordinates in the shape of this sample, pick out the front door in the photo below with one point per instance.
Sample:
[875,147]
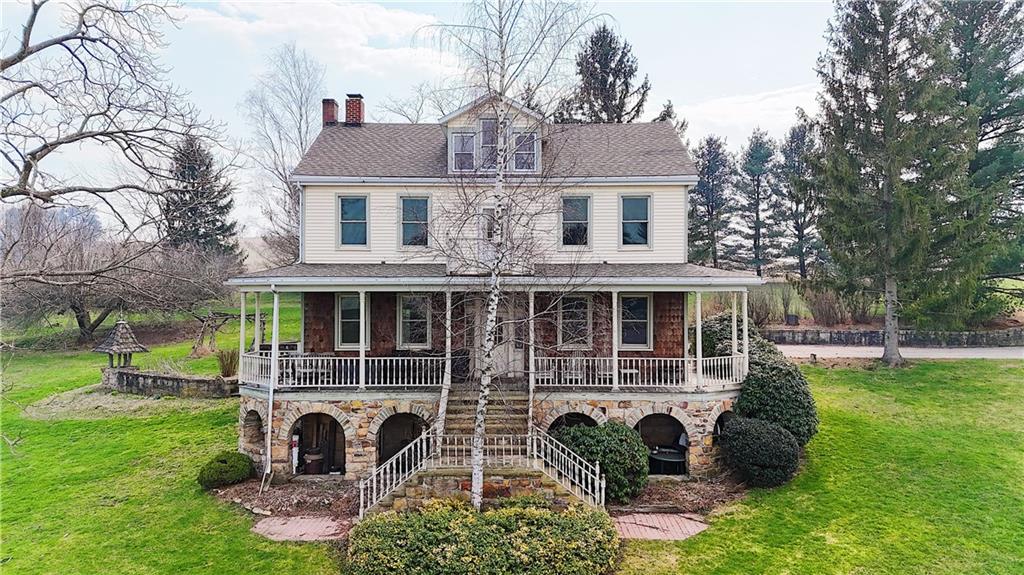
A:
[509,355]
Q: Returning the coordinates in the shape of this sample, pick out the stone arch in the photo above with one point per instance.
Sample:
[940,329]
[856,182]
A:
[690,427]
[300,408]
[574,407]
[386,412]
[259,408]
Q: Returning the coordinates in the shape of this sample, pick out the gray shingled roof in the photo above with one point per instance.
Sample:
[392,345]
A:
[121,339]
[570,150]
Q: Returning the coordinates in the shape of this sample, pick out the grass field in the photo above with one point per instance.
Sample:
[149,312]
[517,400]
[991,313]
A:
[914,471]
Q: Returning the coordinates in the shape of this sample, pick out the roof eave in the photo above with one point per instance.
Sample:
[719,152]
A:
[313,180]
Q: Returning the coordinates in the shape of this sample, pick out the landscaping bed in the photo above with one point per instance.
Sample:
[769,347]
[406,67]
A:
[328,498]
[702,497]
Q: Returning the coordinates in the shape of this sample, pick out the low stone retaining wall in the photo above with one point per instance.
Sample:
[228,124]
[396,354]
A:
[910,338]
[455,484]
[155,384]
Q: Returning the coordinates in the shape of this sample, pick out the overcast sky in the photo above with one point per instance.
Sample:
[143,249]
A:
[728,66]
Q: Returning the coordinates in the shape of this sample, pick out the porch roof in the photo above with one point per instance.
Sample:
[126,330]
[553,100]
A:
[300,276]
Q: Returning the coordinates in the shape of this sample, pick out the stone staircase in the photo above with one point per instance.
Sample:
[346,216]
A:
[448,483]
[507,412]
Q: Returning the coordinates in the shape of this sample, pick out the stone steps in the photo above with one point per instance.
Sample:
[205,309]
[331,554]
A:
[454,483]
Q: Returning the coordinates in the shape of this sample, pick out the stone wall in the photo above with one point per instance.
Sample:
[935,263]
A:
[910,338]
[154,384]
[453,484]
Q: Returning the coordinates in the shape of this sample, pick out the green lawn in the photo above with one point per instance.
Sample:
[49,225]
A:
[914,471]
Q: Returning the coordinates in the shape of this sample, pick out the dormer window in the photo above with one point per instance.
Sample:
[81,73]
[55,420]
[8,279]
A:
[525,157]
[463,146]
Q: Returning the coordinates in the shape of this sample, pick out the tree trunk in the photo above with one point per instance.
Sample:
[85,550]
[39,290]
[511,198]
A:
[87,325]
[891,355]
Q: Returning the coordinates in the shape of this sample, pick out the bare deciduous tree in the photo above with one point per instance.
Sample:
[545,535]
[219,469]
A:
[284,112]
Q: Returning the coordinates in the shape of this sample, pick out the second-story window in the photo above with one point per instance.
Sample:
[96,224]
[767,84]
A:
[414,221]
[575,221]
[352,211]
[413,321]
[525,159]
[463,151]
[636,221]
[488,144]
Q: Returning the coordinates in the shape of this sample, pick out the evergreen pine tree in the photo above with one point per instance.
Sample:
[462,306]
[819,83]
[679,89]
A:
[893,151]
[668,114]
[197,208]
[798,207]
[757,204]
[711,203]
[606,93]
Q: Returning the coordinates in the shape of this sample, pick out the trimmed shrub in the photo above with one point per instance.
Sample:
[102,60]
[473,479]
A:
[226,468]
[523,502]
[764,454]
[451,537]
[620,451]
[775,389]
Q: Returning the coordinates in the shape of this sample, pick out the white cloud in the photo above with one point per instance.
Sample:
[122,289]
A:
[735,117]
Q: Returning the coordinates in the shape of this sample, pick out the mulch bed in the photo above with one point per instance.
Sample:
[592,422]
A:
[320,498]
[696,497]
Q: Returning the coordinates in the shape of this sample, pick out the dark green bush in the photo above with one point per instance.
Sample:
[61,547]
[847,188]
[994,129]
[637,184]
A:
[226,468]
[620,451]
[764,454]
[775,390]
[452,538]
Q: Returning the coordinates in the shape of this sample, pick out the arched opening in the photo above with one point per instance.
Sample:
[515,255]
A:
[317,445]
[723,419]
[668,442]
[252,438]
[396,432]
[570,420]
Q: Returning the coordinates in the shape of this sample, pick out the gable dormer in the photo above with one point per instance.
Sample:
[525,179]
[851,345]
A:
[473,137]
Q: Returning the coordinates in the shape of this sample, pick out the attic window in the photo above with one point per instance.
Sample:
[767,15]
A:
[488,143]
[463,148]
[526,152]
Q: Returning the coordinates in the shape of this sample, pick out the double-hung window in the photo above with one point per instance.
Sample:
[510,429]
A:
[635,321]
[574,322]
[525,156]
[463,151]
[636,220]
[347,332]
[352,212]
[414,221]
[413,321]
[575,221]
[488,144]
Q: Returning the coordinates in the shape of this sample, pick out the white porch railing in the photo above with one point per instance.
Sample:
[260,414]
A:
[327,370]
[538,450]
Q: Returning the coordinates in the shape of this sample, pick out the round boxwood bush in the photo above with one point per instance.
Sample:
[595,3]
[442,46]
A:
[449,537]
[775,390]
[620,451]
[226,468]
[763,453]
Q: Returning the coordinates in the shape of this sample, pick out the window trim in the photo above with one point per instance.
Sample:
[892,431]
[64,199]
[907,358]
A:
[649,346]
[589,298]
[536,151]
[590,223]
[479,147]
[399,334]
[401,220]
[451,150]
[338,224]
[650,222]
[338,345]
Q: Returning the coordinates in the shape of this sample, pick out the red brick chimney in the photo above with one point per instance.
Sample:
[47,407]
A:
[353,109]
[330,112]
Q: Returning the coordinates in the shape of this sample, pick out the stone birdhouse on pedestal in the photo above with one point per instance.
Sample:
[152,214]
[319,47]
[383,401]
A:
[120,344]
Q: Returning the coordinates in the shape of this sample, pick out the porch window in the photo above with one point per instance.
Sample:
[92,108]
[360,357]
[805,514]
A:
[414,321]
[575,221]
[347,332]
[525,159]
[636,321]
[414,221]
[463,151]
[635,220]
[352,212]
[488,144]
[574,322]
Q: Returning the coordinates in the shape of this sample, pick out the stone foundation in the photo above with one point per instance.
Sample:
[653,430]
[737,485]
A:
[908,337]
[455,484]
[155,384]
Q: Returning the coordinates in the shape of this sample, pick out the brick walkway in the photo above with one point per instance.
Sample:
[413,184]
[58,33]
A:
[664,526]
[301,528]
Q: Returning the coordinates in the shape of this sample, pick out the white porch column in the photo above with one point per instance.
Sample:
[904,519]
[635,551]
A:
[275,374]
[686,326]
[257,337]
[700,342]
[735,344]
[746,338]
[241,326]
[615,340]
[531,359]
[362,339]
[446,385]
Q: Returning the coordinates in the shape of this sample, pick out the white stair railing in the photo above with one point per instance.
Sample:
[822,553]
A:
[391,474]
[582,478]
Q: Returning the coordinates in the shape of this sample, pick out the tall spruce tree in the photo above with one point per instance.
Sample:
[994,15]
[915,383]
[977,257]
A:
[757,207]
[196,208]
[711,203]
[798,206]
[668,114]
[606,92]
[893,151]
